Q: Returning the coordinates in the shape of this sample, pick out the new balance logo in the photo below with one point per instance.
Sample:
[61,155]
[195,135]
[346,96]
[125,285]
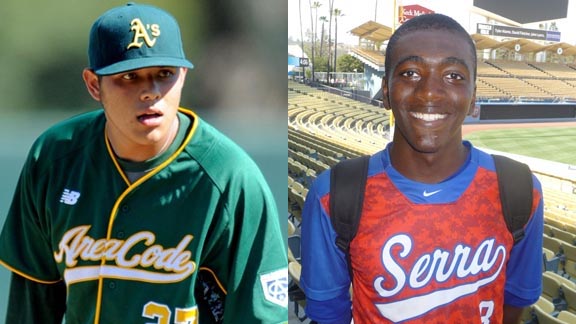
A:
[428,194]
[69,197]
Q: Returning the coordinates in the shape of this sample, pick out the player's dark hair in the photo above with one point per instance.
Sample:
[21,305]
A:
[429,22]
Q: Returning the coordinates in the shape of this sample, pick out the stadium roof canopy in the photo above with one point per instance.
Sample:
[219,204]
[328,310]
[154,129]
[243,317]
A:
[376,32]
[526,46]
[484,42]
[372,31]
[567,49]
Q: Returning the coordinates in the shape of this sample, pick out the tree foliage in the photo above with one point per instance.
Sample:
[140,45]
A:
[348,63]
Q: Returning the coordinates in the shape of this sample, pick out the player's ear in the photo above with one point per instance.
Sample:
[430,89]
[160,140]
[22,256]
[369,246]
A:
[182,76]
[474,109]
[385,98]
[92,83]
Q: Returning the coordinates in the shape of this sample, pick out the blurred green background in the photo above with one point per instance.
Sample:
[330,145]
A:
[238,83]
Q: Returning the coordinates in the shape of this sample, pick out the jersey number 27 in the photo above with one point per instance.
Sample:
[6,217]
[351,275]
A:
[163,314]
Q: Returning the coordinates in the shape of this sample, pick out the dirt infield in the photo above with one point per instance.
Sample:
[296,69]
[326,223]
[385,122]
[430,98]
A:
[470,128]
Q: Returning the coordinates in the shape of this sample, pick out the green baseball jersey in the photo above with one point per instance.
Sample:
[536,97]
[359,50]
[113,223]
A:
[131,252]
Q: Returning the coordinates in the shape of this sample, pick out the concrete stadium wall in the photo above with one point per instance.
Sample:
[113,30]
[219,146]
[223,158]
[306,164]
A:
[524,113]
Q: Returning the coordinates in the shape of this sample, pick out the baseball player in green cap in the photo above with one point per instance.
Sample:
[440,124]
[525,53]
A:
[141,212]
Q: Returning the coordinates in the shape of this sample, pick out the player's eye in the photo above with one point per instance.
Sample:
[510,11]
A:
[129,76]
[455,76]
[410,74]
[166,73]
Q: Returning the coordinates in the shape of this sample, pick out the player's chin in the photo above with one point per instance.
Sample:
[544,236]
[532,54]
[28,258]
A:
[149,136]
[429,143]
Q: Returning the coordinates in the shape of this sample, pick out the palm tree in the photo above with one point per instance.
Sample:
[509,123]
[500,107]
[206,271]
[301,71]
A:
[301,37]
[337,13]
[323,19]
[314,7]
[330,5]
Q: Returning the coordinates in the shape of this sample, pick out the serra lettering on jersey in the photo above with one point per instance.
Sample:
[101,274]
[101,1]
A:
[439,266]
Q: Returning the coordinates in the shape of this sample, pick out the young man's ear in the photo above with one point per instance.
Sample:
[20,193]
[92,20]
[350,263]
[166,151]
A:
[385,98]
[92,83]
[474,109]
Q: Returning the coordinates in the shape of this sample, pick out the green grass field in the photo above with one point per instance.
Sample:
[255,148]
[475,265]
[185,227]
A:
[548,143]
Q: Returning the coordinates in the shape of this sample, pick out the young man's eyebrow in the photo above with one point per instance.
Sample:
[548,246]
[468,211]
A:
[455,60]
[419,59]
[410,58]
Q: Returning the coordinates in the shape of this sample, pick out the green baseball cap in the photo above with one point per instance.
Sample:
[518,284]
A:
[135,36]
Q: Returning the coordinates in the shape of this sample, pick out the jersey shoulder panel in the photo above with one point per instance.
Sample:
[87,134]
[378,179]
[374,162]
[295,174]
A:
[69,136]
[221,158]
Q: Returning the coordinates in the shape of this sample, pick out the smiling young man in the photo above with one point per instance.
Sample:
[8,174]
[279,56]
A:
[432,244]
[142,212]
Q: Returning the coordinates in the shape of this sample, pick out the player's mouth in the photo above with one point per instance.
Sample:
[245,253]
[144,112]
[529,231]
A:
[150,118]
[427,117]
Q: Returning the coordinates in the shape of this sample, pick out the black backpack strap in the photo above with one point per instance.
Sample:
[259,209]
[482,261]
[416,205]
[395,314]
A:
[515,186]
[347,185]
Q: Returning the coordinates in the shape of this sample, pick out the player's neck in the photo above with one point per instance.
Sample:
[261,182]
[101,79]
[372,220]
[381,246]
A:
[134,152]
[428,167]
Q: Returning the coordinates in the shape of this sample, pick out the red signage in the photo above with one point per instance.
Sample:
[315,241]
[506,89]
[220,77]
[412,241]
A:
[407,12]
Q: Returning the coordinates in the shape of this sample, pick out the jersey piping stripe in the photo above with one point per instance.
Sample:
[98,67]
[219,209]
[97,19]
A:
[215,278]
[112,155]
[22,274]
[132,187]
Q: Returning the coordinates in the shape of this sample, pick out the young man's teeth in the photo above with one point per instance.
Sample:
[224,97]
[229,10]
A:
[428,117]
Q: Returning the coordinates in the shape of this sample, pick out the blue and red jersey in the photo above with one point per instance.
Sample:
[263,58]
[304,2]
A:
[423,253]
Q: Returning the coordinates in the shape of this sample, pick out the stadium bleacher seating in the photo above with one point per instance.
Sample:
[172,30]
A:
[526,81]
[547,318]
[543,305]
[570,296]
[519,88]
[551,261]
[337,119]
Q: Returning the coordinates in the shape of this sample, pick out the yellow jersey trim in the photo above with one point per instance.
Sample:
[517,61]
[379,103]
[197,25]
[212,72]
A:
[131,187]
[215,278]
[22,274]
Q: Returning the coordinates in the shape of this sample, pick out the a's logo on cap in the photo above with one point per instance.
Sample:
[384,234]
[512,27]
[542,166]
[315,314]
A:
[141,32]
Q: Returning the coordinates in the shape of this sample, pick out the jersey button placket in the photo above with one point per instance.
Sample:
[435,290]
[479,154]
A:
[124,210]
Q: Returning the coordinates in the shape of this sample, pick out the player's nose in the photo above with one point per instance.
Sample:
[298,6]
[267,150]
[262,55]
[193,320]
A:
[151,90]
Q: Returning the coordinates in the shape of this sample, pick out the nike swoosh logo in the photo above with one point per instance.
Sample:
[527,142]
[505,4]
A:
[428,194]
